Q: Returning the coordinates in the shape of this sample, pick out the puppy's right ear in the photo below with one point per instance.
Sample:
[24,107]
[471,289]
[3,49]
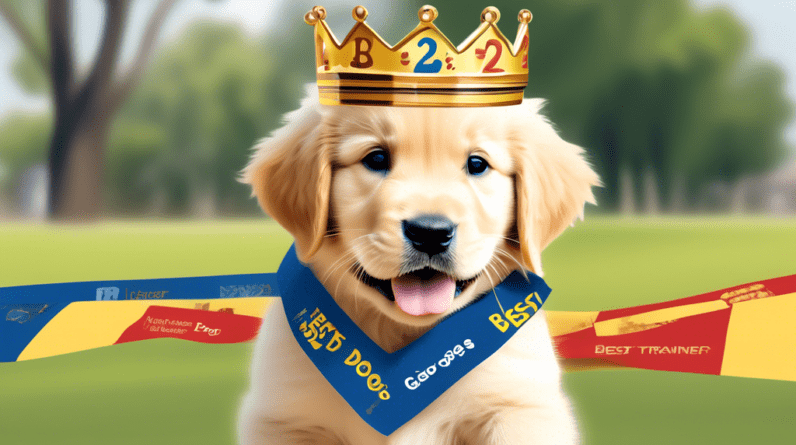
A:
[553,182]
[290,174]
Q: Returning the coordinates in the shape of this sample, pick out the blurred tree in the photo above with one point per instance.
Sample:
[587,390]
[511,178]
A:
[652,89]
[186,133]
[673,109]
[207,99]
[656,88]
[84,106]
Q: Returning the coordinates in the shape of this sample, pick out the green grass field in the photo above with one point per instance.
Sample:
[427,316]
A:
[177,392]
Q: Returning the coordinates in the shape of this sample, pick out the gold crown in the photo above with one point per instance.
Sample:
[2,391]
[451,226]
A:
[424,69]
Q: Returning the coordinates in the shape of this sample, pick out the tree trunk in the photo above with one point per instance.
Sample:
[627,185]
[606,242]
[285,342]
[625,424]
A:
[76,161]
[651,197]
[678,201]
[739,196]
[627,192]
[203,203]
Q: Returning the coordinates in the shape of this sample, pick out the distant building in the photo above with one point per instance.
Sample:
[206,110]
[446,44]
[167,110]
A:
[773,193]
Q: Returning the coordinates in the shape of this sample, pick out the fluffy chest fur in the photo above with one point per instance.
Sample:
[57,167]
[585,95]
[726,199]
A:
[292,401]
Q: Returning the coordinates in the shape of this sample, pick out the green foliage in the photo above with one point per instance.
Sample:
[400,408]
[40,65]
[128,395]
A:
[29,74]
[26,69]
[202,104]
[132,147]
[648,85]
[24,141]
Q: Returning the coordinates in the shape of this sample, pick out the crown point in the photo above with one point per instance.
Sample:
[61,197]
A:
[310,18]
[525,16]
[360,13]
[490,14]
[320,12]
[427,14]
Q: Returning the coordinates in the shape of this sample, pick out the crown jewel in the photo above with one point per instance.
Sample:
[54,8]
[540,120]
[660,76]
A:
[424,69]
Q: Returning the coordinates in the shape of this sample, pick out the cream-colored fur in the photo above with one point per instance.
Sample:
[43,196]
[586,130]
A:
[346,219]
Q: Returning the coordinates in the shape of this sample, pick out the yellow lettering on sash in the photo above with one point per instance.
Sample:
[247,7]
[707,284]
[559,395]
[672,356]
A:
[354,358]
[366,368]
[335,342]
[531,303]
[499,322]
[517,319]
[310,329]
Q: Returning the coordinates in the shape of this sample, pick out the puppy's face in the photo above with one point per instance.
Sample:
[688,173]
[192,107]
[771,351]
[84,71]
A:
[422,200]
[414,212]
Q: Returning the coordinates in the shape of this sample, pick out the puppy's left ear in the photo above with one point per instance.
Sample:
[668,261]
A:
[290,173]
[553,183]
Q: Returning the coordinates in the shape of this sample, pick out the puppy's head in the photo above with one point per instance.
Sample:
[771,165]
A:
[415,212]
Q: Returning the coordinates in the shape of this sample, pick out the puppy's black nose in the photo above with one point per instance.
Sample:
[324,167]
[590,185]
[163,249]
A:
[431,234]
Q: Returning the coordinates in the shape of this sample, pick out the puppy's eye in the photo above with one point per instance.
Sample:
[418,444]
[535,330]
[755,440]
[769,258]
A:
[476,165]
[378,161]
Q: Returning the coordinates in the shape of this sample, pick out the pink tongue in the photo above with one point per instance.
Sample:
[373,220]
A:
[420,297]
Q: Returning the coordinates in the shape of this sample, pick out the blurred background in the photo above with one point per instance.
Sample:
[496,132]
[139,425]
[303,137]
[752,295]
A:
[146,109]
[130,120]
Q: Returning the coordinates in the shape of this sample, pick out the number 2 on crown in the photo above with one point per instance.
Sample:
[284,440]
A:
[490,67]
[434,66]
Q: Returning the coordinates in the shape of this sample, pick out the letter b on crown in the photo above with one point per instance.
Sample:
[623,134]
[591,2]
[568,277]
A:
[362,52]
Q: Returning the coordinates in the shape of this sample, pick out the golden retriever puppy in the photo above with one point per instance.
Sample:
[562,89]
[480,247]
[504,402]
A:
[383,200]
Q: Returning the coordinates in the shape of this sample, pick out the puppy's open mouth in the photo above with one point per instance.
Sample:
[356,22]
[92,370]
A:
[424,291]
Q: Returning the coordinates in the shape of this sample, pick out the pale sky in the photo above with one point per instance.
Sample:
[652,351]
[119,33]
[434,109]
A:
[773,25]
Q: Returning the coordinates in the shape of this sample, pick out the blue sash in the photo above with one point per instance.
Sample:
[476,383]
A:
[388,390]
